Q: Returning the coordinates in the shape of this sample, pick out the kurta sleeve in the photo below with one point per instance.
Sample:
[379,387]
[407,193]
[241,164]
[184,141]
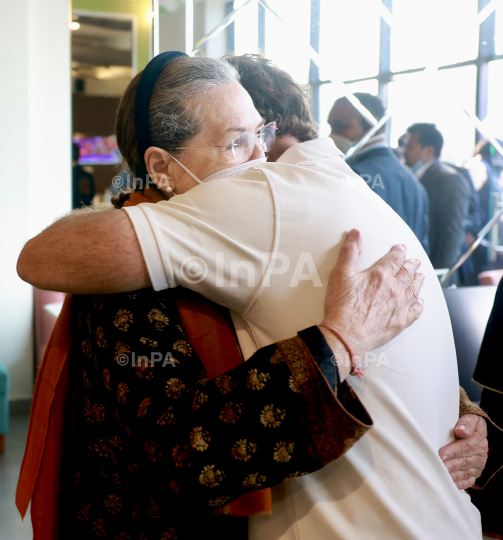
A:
[494,437]
[273,417]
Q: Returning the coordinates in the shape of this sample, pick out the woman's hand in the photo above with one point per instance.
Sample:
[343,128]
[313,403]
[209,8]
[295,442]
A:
[466,458]
[371,308]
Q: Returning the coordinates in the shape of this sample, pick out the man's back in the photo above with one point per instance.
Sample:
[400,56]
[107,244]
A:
[269,239]
[449,198]
[397,186]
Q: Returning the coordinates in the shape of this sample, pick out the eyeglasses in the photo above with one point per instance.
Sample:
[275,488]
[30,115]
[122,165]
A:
[241,148]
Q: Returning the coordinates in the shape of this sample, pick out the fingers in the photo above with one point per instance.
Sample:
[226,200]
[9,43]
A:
[408,270]
[465,484]
[415,311]
[393,261]
[464,449]
[350,253]
[466,425]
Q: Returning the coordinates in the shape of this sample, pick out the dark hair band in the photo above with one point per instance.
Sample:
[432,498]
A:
[143,95]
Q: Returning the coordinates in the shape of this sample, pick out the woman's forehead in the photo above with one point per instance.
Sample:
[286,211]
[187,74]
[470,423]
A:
[229,109]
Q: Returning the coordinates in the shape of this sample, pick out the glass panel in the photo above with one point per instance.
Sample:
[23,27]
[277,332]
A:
[349,38]
[288,47]
[432,97]
[246,28]
[433,33]
[330,92]
[498,36]
[494,120]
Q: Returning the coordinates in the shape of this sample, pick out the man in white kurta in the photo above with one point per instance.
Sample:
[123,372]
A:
[263,244]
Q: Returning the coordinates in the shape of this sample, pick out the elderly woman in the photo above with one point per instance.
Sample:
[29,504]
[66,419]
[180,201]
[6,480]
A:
[223,239]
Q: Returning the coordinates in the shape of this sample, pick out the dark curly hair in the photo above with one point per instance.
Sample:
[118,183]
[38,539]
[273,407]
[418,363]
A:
[276,96]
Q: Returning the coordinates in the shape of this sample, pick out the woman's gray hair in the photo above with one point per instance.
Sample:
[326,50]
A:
[174,115]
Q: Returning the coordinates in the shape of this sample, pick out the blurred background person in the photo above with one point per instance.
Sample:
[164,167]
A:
[448,193]
[377,164]
[82,181]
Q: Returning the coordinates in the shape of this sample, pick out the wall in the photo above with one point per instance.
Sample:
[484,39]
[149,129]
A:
[35,157]
[140,9]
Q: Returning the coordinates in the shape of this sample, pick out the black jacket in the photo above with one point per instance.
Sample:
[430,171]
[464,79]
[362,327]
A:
[449,197]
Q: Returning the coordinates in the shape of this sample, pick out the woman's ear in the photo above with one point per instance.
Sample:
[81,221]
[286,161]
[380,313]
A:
[157,161]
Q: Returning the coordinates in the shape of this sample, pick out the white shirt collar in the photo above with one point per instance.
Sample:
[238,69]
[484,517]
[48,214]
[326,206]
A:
[420,172]
[377,141]
[315,149]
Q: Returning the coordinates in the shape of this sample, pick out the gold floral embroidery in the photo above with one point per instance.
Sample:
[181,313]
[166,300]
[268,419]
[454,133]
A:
[122,390]
[256,380]
[170,534]
[132,296]
[158,319]
[270,417]
[167,417]
[211,478]
[102,449]
[135,514]
[277,357]
[84,512]
[106,378]
[123,320]
[294,387]
[225,383]
[99,527]
[98,302]
[100,337]
[121,348]
[154,511]
[199,399]
[87,348]
[174,388]
[243,449]
[231,413]
[153,452]
[78,478]
[148,342]
[142,411]
[113,504]
[116,441]
[283,452]
[87,384]
[93,413]
[218,501]
[183,347]
[253,480]
[181,455]
[199,439]
[116,480]
[143,368]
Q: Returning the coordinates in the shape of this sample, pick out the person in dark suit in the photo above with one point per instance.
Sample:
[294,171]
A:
[448,193]
[378,165]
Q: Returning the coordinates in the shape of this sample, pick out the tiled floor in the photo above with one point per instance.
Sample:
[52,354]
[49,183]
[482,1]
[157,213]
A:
[11,526]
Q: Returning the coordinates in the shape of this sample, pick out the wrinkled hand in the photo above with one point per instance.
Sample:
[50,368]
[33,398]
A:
[371,308]
[466,458]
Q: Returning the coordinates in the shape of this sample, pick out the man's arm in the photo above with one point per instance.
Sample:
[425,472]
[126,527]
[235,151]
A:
[86,252]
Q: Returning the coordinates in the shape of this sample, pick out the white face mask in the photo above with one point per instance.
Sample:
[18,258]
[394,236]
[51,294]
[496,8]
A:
[342,143]
[232,171]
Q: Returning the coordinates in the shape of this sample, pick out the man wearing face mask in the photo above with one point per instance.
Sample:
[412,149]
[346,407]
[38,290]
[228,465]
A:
[377,164]
[448,193]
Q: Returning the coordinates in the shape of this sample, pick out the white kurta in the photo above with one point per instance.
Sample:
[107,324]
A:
[264,243]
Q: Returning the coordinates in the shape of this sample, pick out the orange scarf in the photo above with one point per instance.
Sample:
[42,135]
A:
[210,332]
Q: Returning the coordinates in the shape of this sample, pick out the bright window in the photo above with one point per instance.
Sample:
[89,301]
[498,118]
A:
[349,39]
[433,33]
[436,98]
[288,46]
[494,120]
